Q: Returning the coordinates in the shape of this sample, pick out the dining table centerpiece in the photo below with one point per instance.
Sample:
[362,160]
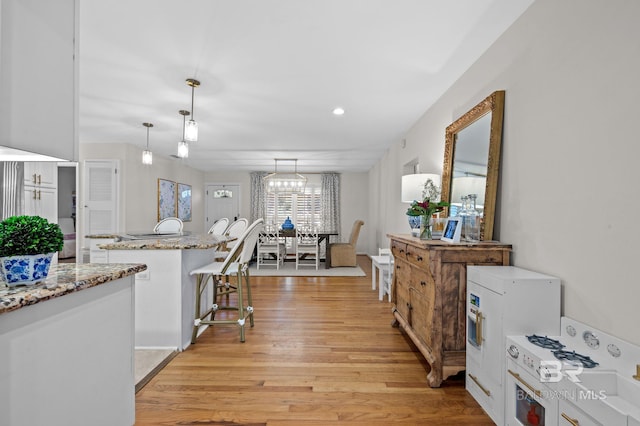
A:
[426,208]
[27,245]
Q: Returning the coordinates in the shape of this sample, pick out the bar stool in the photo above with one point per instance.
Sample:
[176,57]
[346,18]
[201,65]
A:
[237,262]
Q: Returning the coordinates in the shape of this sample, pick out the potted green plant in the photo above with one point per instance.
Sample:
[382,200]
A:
[27,245]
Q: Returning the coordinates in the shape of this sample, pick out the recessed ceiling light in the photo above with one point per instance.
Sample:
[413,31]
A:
[338,111]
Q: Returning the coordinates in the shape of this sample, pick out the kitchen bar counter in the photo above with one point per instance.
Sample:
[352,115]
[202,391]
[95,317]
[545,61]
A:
[63,279]
[67,348]
[165,292]
[184,242]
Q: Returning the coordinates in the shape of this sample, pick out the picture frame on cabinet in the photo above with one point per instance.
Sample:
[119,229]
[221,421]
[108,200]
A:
[452,230]
[184,202]
[167,203]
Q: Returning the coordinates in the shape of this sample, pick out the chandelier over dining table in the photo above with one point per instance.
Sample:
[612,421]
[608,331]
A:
[285,182]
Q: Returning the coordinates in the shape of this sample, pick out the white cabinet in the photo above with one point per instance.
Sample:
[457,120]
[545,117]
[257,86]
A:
[41,174]
[38,77]
[41,202]
[96,254]
[40,190]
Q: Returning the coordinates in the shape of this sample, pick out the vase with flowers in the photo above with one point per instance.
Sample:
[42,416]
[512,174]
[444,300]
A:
[426,208]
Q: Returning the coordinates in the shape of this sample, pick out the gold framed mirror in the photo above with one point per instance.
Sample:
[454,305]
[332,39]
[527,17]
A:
[472,159]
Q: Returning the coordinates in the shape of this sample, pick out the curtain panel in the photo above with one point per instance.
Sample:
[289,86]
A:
[258,196]
[331,202]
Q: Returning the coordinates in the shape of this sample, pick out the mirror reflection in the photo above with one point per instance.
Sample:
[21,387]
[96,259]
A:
[471,161]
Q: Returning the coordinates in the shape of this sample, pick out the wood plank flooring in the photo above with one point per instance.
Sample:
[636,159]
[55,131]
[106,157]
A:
[322,352]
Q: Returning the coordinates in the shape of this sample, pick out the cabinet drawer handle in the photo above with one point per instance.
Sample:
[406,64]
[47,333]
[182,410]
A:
[418,258]
[39,179]
[397,266]
[401,250]
[35,180]
[39,195]
[573,422]
[521,380]
[422,283]
[34,194]
[475,379]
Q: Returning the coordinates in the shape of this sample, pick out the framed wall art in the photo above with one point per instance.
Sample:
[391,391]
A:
[167,203]
[184,202]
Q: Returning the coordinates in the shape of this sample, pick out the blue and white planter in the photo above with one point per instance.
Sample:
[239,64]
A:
[25,269]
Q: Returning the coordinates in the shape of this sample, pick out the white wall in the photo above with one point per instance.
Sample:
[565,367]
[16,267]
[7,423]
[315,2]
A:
[566,201]
[138,207]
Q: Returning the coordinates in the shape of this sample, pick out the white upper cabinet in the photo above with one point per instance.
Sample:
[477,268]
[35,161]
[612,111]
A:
[38,95]
[41,174]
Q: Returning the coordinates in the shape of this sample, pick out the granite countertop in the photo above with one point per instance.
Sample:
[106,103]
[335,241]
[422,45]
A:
[64,278]
[184,242]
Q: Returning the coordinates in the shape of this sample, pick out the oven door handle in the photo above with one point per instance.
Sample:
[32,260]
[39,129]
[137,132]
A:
[573,422]
[521,380]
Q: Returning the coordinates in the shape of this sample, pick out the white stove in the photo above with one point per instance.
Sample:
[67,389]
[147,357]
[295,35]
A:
[565,380]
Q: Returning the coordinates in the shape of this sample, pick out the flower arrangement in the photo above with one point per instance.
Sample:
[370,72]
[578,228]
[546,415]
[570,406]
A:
[427,207]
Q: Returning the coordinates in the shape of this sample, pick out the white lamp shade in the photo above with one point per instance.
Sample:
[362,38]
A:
[147,157]
[183,149]
[191,131]
[413,185]
[465,185]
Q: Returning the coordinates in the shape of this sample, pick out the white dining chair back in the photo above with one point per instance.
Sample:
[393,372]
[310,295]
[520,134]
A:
[307,245]
[219,227]
[169,225]
[271,247]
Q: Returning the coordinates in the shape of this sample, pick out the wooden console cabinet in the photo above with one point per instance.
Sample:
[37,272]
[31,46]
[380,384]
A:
[429,292]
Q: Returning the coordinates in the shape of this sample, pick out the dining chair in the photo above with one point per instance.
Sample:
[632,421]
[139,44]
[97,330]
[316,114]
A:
[272,248]
[219,226]
[344,254]
[236,263]
[169,225]
[307,244]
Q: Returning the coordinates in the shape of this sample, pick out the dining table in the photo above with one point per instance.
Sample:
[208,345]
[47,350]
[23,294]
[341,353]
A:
[324,236]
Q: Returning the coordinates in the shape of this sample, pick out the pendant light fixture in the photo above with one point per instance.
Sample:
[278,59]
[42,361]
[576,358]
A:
[191,131]
[291,183]
[147,155]
[183,146]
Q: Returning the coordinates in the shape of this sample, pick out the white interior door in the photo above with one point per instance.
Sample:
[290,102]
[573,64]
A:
[222,201]
[100,197]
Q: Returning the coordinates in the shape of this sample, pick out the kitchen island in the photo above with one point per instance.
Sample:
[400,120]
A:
[66,346]
[165,292]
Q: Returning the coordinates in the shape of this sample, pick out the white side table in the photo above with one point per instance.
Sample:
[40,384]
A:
[381,263]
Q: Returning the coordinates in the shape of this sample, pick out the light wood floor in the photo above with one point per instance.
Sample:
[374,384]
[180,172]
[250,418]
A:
[322,351]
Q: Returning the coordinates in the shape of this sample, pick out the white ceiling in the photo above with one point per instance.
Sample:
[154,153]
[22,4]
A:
[272,71]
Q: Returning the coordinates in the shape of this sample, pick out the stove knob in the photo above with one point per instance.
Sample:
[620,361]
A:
[513,351]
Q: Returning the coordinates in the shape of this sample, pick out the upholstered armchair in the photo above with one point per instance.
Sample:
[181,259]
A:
[344,254]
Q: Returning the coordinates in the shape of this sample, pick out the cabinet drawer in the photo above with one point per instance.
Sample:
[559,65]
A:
[418,256]
[398,249]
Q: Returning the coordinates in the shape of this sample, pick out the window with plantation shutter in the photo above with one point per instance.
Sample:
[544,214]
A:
[303,209]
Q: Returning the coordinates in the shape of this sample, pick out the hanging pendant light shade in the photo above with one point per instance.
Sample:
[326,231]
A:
[183,146]
[147,155]
[191,130]
[279,182]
